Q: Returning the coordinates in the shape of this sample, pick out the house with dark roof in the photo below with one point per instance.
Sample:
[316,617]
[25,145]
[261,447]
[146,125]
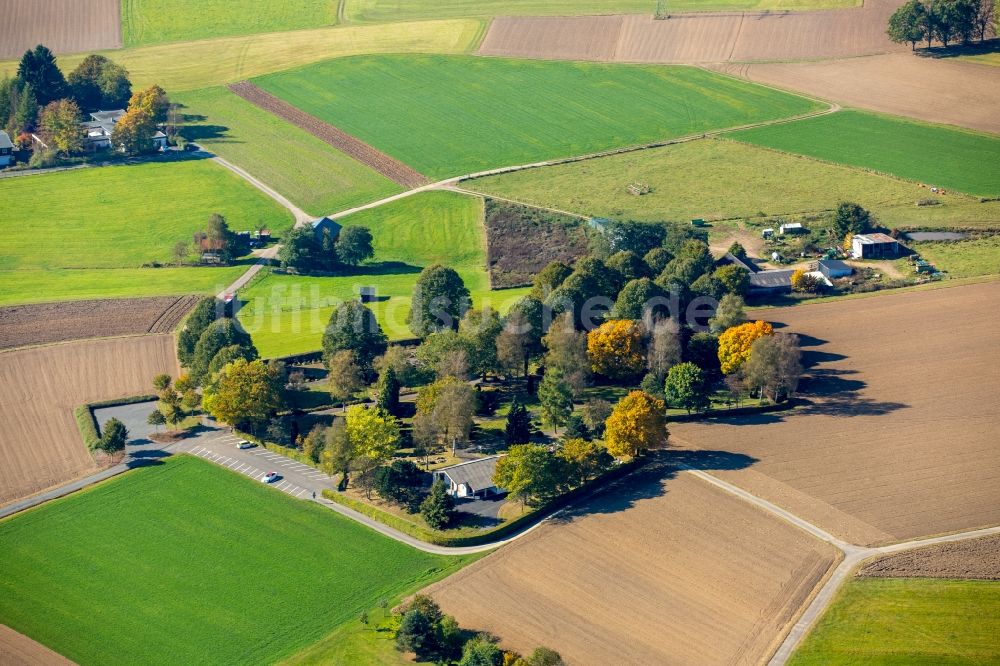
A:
[771,281]
[473,478]
[6,149]
[730,259]
[325,225]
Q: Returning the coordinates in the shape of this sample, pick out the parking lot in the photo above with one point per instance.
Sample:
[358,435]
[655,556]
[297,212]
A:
[294,478]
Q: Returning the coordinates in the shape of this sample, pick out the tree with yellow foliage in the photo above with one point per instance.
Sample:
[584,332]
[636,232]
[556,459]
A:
[735,343]
[804,282]
[153,100]
[616,349]
[637,424]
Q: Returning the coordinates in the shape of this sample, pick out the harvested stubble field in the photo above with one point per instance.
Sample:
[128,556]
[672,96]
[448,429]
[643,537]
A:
[453,115]
[213,62]
[65,26]
[40,445]
[362,152]
[719,179]
[899,440]
[696,38]
[19,650]
[44,323]
[966,94]
[969,559]
[662,569]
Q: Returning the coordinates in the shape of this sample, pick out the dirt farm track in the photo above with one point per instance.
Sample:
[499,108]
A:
[900,440]
[40,445]
[663,569]
[65,26]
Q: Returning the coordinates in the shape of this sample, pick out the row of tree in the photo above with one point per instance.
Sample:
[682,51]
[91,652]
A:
[303,252]
[945,21]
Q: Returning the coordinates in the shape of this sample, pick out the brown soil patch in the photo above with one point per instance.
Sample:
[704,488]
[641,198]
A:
[697,38]
[973,558]
[16,649]
[368,155]
[65,26]
[661,570]
[521,241]
[900,439]
[40,445]
[963,93]
[43,323]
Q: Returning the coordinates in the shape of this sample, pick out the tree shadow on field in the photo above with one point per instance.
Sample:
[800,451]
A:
[957,50]
[651,481]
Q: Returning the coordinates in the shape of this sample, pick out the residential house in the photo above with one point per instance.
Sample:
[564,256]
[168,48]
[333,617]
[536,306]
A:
[875,246]
[6,150]
[470,479]
[98,130]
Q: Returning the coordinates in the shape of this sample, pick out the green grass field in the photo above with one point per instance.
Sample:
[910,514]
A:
[718,179]
[451,115]
[156,21]
[968,258]
[930,154]
[185,562]
[70,230]
[286,314]
[212,62]
[314,176]
[907,621]
[411,10]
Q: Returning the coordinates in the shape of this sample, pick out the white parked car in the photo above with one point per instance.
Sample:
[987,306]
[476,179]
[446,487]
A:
[270,477]
[244,444]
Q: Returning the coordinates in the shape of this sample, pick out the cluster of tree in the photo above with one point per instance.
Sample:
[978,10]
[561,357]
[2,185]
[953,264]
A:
[177,400]
[303,252]
[432,635]
[945,21]
[215,237]
[40,99]
[754,357]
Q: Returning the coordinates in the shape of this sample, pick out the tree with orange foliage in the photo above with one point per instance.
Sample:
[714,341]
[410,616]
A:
[637,424]
[153,100]
[735,343]
[60,125]
[616,349]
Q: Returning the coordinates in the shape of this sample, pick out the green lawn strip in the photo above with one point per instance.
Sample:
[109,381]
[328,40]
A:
[157,21]
[907,621]
[123,216]
[450,115]
[245,574]
[286,314]
[45,285]
[963,259]
[719,179]
[410,10]
[932,154]
[313,175]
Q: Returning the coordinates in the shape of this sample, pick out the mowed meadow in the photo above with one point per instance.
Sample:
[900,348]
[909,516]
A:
[185,562]
[452,115]
[314,176]
[287,314]
[92,223]
[931,154]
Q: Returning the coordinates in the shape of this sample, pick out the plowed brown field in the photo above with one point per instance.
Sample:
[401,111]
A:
[40,445]
[18,650]
[973,558]
[697,38]
[662,570]
[900,440]
[368,155]
[65,26]
[963,93]
[44,323]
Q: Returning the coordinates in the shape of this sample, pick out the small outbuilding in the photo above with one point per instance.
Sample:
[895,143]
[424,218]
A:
[470,479]
[833,268]
[766,282]
[6,149]
[791,228]
[874,246]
